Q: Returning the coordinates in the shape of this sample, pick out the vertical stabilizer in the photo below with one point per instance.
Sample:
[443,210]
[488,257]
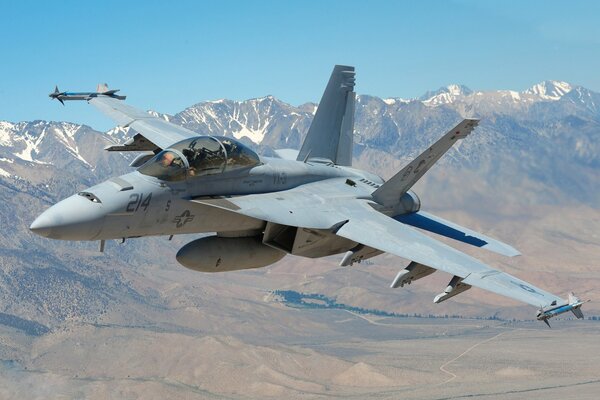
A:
[330,135]
[346,142]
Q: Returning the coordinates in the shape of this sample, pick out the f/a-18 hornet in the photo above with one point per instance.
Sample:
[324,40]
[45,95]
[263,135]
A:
[308,203]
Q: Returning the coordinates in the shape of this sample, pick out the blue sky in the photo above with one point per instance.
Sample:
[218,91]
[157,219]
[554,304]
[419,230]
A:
[169,55]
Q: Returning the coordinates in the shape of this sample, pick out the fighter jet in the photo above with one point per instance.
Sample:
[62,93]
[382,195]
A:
[257,209]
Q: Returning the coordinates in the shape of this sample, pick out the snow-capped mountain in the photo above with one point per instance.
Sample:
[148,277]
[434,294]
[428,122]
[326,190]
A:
[582,97]
[26,139]
[550,90]
[543,91]
[264,120]
[445,95]
[551,121]
[35,155]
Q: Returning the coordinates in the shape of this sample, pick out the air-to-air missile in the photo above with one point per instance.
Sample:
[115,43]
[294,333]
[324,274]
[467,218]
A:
[574,305]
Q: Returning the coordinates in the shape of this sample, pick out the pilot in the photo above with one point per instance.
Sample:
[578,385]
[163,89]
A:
[195,159]
[167,159]
[232,150]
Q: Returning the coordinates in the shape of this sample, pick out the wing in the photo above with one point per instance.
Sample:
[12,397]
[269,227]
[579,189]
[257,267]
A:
[317,205]
[153,133]
[159,132]
[369,227]
[334,203]
[440,226]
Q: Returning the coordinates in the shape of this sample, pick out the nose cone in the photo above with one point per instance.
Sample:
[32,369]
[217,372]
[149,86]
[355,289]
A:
[74,218]
[42,225]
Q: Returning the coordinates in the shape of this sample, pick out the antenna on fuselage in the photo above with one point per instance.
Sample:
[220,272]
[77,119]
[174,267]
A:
[307,155]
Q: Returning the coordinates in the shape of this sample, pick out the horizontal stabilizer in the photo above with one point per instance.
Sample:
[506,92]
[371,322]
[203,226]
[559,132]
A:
[440,226]
[390,192]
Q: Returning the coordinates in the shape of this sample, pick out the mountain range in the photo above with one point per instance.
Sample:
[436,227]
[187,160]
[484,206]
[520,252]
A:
[548,133]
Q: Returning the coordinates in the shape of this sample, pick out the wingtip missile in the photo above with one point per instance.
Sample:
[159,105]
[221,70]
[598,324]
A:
[102,91]
[573,304]
[57,94]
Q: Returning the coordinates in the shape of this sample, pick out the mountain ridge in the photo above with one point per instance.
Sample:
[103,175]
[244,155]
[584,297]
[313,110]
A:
[551,139]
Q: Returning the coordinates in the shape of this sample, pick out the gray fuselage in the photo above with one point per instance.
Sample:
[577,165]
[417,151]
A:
[135,204]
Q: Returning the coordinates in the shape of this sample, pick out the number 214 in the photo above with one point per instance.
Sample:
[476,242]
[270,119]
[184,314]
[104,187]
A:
[137,200]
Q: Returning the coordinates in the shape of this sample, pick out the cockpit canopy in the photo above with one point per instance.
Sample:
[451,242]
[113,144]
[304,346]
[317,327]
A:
[199,156]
